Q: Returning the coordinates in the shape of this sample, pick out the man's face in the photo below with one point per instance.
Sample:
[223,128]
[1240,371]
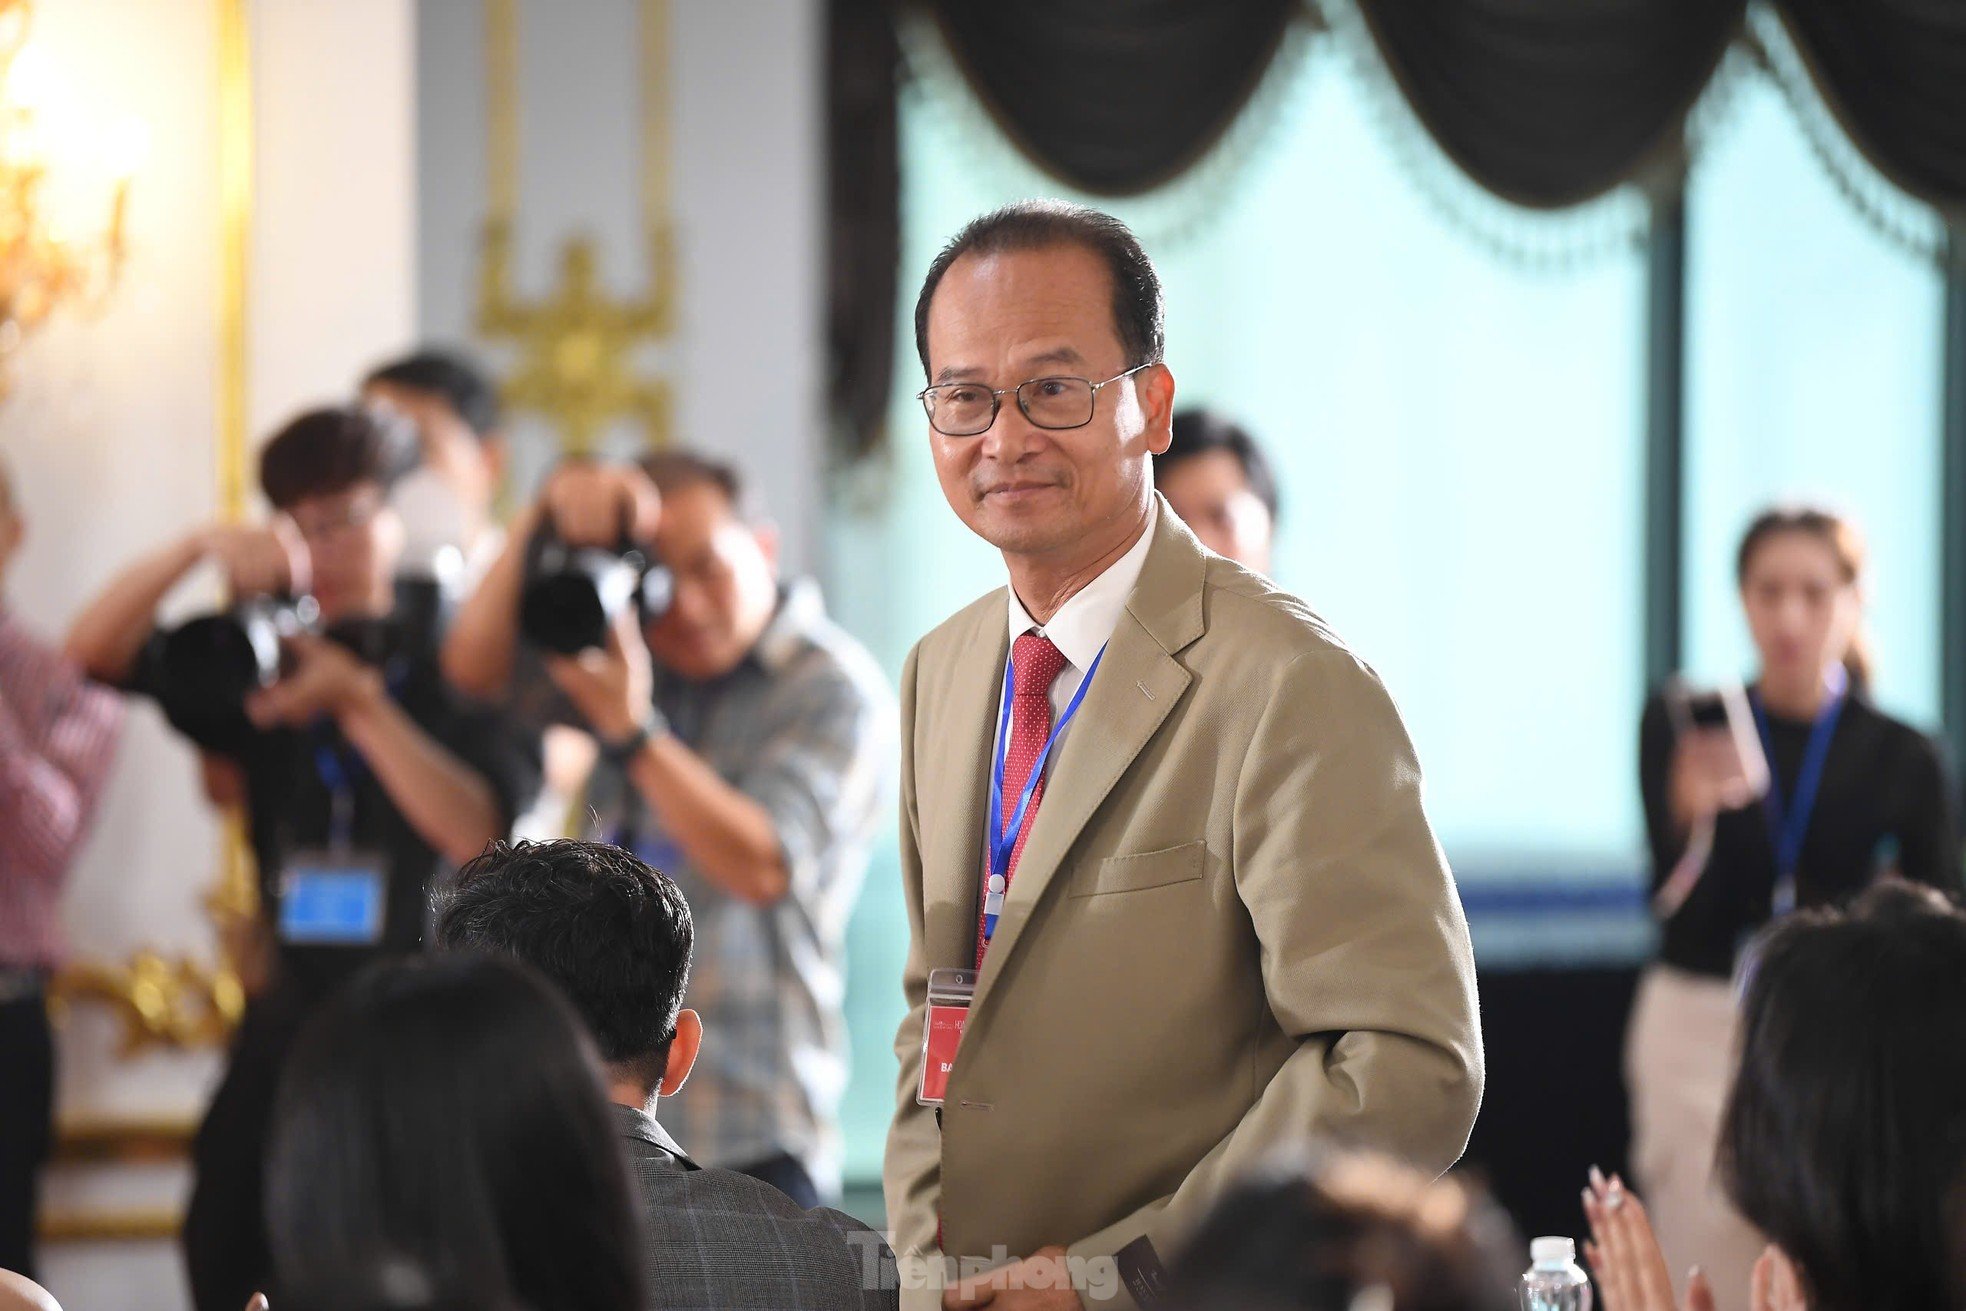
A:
[354,541]
[1003,319]
[726,583]
[1211,494]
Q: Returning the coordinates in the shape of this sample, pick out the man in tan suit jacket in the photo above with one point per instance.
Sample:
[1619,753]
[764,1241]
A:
[1227,924]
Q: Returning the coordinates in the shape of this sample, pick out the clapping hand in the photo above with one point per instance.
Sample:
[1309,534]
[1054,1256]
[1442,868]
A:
[1625,1257]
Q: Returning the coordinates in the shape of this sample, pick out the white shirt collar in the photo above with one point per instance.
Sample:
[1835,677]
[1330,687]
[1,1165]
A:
[1088,618]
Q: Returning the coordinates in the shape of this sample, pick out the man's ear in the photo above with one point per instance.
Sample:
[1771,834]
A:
[497,455]
[682,1053]
[769,542]
[1157,398]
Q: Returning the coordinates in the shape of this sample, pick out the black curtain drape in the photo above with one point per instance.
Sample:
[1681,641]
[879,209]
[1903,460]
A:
[1544,103]
[863,200]
[1894,74]
[1114,98]
[1549,103]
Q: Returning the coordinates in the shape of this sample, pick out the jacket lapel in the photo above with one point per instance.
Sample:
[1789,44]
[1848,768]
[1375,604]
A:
[953,801]
[1138,682]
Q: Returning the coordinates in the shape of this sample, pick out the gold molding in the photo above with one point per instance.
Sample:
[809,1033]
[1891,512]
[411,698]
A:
[235,189]
[182,1003]
[90,1141]
[137,1224]
[124,1140]
[577,344]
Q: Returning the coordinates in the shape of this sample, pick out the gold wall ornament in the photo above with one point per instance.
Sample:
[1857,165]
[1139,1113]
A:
[577,344]
[169,1001]
[42,267]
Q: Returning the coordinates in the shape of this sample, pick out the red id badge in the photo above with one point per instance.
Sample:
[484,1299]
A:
[949,994]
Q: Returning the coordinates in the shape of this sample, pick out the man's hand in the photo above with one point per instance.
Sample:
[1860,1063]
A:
[268,560]
[589,504]
[612,688]
[327,680]
[1040,1282]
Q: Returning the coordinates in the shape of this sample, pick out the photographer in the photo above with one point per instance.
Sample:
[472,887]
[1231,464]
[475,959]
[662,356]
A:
[358,773]
[746,744]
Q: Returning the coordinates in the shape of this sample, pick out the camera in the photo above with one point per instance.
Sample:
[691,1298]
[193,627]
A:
[574,594]
[206,667]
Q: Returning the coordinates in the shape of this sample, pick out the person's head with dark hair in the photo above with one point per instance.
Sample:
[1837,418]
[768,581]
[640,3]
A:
[330,471]
[440,1139]
[1356,1230]
[1844,1137]
[1218,481]
[441,377]
[454,410]
[611,932]
[723,560]
[1800,570]
[1040,329]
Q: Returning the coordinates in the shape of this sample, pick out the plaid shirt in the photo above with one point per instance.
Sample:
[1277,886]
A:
[58,734]
[804,726]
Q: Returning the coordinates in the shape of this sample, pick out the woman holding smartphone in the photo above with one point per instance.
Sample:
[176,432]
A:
[1807,800]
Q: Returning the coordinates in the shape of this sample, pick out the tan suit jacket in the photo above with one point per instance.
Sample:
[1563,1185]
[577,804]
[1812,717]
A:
[1230,928]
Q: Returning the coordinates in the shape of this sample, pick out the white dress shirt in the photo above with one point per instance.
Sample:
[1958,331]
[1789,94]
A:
[1079,630]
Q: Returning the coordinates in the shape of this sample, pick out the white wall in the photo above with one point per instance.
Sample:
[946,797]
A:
[748,182]
[111,432]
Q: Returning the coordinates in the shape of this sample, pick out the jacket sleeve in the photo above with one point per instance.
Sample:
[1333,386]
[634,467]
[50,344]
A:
[1366,959]
[912,1174]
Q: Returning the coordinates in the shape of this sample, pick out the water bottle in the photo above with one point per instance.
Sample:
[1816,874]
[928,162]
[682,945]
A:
[1554,1280]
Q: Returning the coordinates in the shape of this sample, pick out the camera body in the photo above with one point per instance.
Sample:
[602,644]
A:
[207,666]
[574,594]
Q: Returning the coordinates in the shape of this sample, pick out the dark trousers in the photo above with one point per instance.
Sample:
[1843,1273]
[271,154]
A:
[225,1250]
[784,1173]
[27,1105]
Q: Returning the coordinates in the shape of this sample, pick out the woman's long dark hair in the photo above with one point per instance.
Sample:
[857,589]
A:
[441,1140]
[1840,535]
[1844,1138]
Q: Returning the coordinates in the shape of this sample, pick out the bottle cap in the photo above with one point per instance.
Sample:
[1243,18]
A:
[1553,1251]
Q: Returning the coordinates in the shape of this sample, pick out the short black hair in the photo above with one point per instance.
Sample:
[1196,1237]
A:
[1313,1238]
[614,934]
[1844,1137]
[451,378]
[1198,431]
[331,449]
[1139,312]
[673,469]
[441,1138]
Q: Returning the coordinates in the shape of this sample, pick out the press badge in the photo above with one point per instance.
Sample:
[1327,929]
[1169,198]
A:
[332,899]
[949,995]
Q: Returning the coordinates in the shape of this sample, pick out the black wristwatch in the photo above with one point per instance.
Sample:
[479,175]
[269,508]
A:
[622,750]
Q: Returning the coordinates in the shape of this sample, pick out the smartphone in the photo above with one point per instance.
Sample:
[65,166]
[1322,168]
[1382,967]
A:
[1721,710]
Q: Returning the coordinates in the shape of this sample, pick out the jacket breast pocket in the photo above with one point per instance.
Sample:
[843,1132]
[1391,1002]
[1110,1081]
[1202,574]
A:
[1149,869]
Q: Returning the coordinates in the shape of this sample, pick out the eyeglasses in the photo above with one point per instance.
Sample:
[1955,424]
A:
[967,409]
[317,525]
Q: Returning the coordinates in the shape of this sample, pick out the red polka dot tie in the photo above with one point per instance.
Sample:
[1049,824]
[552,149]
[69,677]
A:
[1037,664]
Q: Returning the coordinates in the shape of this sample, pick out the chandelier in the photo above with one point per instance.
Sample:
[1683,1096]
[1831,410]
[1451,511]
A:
[48,260]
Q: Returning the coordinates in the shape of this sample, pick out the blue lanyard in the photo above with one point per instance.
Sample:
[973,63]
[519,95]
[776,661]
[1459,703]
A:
[338,777]
[1788,822]
[1003,838]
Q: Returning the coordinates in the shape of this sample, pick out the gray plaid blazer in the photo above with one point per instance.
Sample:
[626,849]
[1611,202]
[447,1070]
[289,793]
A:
[716,1240]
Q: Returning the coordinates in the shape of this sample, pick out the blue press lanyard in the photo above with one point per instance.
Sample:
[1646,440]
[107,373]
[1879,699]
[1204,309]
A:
[1003,839]
[1788,823]
[339,779]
